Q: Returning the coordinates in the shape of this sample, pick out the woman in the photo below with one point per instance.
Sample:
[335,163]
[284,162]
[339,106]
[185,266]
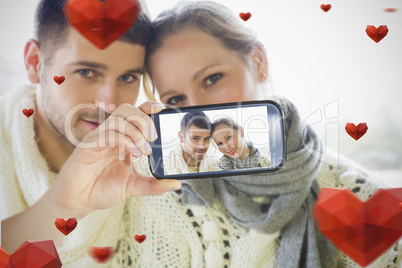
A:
[238,153]
[203,54]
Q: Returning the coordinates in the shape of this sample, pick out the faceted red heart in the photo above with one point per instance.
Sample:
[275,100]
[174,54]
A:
[36,254]
[377,34]
[27,112]
[101,254]
[245,16]
[140,238]
[59,79]
[4,259]
[325,7]
[66,227]
[356,132]
[102,22]
[363,231]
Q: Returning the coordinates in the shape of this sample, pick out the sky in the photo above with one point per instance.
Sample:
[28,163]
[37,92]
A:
[324,62]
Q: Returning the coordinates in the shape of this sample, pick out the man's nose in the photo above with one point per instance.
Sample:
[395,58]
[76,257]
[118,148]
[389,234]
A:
[106,96]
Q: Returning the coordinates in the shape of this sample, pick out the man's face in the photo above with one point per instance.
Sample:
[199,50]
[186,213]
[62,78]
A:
[196,142]
[95,81]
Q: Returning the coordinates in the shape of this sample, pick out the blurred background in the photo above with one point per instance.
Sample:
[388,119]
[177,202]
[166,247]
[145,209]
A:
[322,61]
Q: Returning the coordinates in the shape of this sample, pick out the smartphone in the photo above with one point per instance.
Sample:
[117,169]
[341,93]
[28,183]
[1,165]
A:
[218,140]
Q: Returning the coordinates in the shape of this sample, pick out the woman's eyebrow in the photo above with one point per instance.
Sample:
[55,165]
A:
[171,91]
[201,71]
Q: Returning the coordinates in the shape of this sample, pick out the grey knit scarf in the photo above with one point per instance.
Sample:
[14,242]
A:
[292,191]
[251,161]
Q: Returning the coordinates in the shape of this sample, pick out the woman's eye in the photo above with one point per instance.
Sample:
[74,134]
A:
[86,73]
[174,100]
[229,137]
[128,78]
[194,139]
[212,79]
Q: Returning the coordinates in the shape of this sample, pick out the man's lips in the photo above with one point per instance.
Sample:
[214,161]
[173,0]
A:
[91,125]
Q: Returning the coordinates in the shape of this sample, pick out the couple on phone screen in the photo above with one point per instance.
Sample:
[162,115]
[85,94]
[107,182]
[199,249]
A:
[194,153]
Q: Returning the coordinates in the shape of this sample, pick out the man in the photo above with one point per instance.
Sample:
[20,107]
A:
[72,157]
[192,154]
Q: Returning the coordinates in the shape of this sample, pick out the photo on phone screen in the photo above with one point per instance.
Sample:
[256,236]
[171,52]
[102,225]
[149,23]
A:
[218,140]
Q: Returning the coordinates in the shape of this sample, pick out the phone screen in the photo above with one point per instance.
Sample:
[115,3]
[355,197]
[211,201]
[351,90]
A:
[218,140]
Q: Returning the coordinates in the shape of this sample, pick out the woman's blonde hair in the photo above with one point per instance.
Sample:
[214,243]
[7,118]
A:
[210,17]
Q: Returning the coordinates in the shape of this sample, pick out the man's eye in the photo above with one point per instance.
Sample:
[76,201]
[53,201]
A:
[86,73]
[194,139]
[212,79]
[175,100]
[128,78]
[207,139]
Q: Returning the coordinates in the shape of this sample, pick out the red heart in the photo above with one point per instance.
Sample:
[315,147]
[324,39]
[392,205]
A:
[245,16]
[102,22]
[59,79]
[32,254]
[363,231]
[101,254]
[4,258]
[27,112]
[140,238]
[66,227]
[356,132]
[390,9]
[325,7]
[377,34]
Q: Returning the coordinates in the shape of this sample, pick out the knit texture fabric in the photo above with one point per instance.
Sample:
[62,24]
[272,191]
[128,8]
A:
[254,159]
[177,235]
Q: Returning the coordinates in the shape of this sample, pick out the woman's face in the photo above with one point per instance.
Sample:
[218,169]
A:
[230,142]
[193,68]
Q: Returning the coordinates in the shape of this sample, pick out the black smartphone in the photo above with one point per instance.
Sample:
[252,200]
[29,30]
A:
[218,140]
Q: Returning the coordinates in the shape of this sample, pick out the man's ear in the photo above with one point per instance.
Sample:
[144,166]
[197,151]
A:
[260,62]
[32,61]
[180,134]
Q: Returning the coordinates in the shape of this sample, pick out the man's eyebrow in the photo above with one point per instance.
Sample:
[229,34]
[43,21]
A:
[139,70]
[96,65]
[201,71]
[90,64]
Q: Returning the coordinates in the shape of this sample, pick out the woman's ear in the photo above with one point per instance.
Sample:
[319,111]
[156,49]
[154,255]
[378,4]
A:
[32,61]
[260,62]
[241,132]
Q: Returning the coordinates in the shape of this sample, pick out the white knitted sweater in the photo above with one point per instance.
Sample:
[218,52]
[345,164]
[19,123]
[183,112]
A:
[177,235]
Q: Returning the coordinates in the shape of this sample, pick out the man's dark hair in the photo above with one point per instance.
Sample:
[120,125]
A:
[51,27]
[196,118]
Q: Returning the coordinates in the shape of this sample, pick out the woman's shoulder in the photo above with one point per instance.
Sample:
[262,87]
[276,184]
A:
[338,171]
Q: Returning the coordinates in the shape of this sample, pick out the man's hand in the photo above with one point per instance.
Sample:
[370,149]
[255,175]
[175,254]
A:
[99,172]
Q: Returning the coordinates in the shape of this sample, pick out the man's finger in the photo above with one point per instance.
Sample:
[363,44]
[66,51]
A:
[151,107]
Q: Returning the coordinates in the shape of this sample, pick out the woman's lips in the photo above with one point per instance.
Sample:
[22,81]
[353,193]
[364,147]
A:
[232,152]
